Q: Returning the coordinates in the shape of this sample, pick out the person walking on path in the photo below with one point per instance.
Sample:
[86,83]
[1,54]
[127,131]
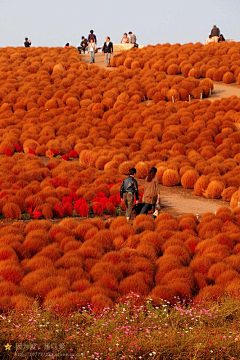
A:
[128,188]
[151,192]
[108,50]
[92,47]
[92,36]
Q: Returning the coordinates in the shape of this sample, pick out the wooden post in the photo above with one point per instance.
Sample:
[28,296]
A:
[173,99]
[189,98]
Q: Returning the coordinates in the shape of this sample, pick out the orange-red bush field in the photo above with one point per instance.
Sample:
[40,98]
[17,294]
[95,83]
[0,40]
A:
[149,265]
[69,133]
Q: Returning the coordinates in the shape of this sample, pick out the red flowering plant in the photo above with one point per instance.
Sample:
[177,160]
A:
[81,207]
[34,213]
[65,157]
[56,182]
[83,210]
[73,196]
[18,148]
[58,210]
[55,152]
[73,154]
[98,208]
[101,197]
[68,209]
[67,199]
[99,203]
[8,152]
[115,199]
[31,151]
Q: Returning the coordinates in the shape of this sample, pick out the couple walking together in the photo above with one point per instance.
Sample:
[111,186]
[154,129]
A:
[107,49]
[151,195]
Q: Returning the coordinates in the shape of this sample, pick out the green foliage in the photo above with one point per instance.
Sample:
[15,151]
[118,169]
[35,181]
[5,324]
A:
[118,210]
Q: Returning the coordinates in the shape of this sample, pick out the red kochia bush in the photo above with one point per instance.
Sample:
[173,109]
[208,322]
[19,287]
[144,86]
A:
[7,253]
[162,292]
[200,264]
[102,268]
[11,272]
[11,211]
[134,283]
[36,240]
[189,179]
[81,207]
[179,252]
[170,178]
[183,274]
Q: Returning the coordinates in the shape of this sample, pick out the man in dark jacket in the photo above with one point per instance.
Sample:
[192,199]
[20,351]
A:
[83,45]
[128,188]
[108,50]
[27,43]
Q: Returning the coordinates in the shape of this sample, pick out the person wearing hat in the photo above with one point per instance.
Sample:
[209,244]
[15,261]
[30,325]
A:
[128,188]
[151,194]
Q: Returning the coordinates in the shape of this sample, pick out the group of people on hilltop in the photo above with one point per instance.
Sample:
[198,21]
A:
[151,197]
[215,35]
[90,45]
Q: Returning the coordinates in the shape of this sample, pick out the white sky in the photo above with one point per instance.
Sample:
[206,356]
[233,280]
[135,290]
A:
[55,22]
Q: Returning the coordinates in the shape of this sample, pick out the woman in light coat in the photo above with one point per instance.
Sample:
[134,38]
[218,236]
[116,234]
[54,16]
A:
[151,192]
[92,47]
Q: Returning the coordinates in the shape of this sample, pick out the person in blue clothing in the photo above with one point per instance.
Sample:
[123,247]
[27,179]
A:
[83,45]
[128,188]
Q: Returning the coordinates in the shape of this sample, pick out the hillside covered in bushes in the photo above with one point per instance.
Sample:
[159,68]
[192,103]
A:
[69,133]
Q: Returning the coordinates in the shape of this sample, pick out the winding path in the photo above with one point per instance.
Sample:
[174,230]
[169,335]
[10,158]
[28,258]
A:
[177,200]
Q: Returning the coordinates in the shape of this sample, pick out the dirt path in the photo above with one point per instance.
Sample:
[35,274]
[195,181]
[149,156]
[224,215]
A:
[99,60]
[222,90]
[177,200]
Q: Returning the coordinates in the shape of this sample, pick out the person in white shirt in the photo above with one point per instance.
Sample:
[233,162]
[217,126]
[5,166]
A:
[92,47]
